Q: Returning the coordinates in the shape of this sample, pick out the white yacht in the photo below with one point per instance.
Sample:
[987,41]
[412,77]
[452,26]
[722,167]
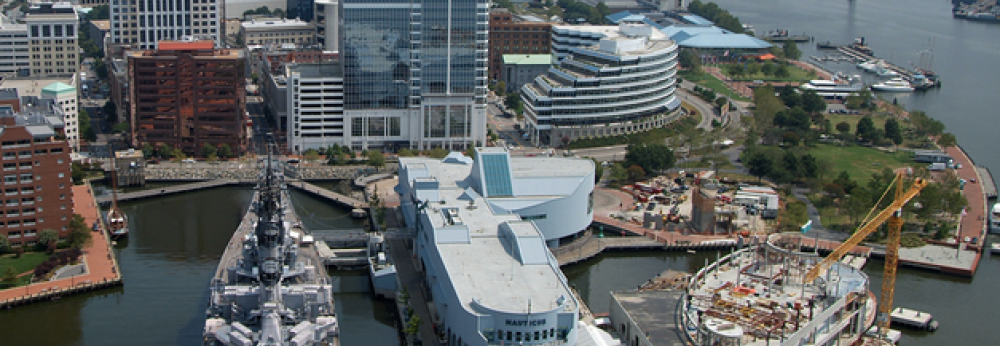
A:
[868,66]
[995,218]
[834,89]
[894,85]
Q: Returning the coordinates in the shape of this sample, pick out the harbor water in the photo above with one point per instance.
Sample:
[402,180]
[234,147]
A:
[167,261]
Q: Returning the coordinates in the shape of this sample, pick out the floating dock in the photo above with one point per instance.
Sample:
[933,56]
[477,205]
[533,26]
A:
[989,185]
[930,80]
[914,319]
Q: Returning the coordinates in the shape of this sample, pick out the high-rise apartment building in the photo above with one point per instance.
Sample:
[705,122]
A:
[52,39]
[143,23]
[419,64]
[187,95]
[37,186]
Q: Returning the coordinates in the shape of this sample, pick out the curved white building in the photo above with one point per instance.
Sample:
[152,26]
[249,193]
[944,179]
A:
[486,264]
[605,81]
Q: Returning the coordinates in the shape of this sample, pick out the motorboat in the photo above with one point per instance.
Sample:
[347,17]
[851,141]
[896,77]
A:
[895,85]
[867,66]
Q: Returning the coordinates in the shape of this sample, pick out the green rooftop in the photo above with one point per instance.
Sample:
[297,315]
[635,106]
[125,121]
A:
[527,59]
[59,88]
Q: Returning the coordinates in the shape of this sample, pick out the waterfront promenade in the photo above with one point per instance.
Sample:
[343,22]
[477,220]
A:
[101,268]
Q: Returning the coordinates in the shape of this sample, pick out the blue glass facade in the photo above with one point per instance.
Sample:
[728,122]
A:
[376,53]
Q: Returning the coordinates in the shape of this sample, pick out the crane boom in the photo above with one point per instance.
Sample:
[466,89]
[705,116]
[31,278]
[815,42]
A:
[865,230]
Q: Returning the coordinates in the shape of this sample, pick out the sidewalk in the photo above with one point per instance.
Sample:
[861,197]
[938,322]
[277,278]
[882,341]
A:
[413,283]
[101,268]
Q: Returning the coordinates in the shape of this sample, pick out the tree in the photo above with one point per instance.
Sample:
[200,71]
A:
[635,172]
[500,89]
[101,69]
[437,153]
[689,60]
[651,157]
[808,166]
[86,131]
[721,102]
[865,129]
[767,68]
[947,140]
[602,9]
[844,128]
[812,102]
[782,71]
[792,50]
[5,246]
[375,158]
[413,325]
[9,276]
[406,152]
[513,102]
[760,165]
[99,12]
[225,151]
[47,239]
[598,170]
[924,125]
[209,151]
[618,173]
[893,132]
[79,237]
[790,163]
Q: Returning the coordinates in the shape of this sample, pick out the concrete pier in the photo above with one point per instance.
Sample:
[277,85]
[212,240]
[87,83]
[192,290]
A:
[170,190]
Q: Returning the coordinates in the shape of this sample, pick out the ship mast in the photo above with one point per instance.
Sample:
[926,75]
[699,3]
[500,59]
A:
[114,179]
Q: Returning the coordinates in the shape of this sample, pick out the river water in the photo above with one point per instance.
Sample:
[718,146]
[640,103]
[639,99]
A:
[168,261]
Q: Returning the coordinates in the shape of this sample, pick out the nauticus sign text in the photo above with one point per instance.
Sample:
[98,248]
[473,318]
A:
[525,323]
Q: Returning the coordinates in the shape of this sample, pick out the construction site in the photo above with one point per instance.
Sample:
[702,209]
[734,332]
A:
[775,292]
[760,296]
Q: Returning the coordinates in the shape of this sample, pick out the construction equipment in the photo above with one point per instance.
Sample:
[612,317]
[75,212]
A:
[892,213]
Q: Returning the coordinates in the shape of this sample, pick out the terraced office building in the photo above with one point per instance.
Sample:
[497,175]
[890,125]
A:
[609,80]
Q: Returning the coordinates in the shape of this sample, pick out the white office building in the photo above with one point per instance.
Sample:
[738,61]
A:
[491,276]
[14,56]
[143,23]
[65,96]
[608,81]
[52,39]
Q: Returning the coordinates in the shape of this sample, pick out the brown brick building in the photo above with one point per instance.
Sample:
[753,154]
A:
[187,94]
[509,35]
[37,187]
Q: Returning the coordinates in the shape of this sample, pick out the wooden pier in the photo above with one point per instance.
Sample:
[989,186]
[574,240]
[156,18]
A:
[339,199]
[986,178]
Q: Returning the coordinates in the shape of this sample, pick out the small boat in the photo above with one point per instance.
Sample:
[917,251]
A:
[883,71]
[867,66]
[117,222]
[895,85]
[826,45]
[995,218]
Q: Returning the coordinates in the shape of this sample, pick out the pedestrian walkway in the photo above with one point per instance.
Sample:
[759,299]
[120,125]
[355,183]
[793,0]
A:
[412,282]
[101,266]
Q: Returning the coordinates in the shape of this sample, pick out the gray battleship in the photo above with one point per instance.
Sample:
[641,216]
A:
[269,290]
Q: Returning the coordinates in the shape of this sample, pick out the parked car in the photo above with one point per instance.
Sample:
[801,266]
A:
[188,160]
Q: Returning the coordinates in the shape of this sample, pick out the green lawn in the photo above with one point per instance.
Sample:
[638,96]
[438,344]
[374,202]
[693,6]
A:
[709,81]
[860,162]
[795,74]
[27,262]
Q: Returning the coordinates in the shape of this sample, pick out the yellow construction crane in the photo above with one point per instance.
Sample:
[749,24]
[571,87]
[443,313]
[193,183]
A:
[892,213]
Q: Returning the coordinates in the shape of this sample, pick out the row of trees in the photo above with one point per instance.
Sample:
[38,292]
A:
[164,151]
[717,15]
[574,10]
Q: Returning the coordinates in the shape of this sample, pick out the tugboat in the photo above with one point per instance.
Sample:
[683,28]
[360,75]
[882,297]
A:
[265,290]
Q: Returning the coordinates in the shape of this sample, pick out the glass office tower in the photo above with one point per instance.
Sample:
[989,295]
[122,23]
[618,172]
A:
[427,57]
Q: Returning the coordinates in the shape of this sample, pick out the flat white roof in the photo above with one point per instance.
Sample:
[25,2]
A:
[501,270]
[609,31]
